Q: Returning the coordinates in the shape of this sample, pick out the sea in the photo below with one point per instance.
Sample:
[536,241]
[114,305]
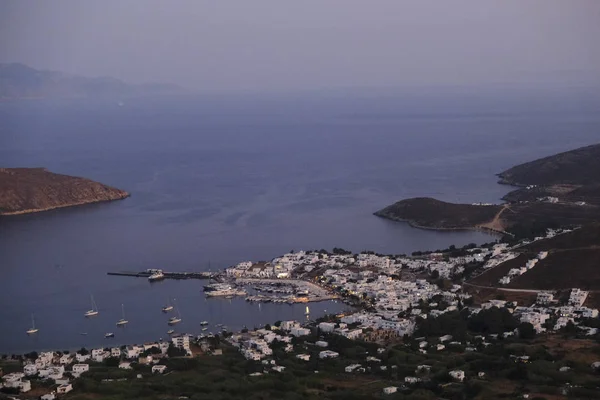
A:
[220,179]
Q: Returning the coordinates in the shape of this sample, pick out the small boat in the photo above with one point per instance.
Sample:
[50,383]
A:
[168,307]
[204,329]
[83,333]
[33,329]
[94,310]
[204,323]
[122,321]
[307,312]
[170,331]
[156,275]
[109,335]
[176,319]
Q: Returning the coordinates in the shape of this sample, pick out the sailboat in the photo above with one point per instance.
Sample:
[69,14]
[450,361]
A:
[168,307]
[307,312]
[122,321]
[176,319]
[94,310]
[33,329]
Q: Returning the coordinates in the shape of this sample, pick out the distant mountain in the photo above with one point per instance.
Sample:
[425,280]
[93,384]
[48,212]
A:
[18,81]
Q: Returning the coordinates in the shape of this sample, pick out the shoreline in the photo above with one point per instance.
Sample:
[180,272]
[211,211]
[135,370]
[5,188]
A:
[77,204]
[412,224]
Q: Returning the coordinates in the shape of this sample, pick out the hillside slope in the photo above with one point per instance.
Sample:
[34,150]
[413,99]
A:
[425,212]
[576,167]
[573,261]
[27,190]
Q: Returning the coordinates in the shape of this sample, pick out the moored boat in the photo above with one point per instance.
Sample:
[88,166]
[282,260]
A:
[33,329]
[94,310]
[122,321]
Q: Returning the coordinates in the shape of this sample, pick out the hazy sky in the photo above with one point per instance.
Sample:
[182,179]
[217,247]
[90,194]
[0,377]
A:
[308,44]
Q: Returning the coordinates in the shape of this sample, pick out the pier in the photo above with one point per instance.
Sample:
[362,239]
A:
[167,275]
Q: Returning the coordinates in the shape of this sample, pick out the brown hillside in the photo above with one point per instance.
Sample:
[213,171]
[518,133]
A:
[27,190]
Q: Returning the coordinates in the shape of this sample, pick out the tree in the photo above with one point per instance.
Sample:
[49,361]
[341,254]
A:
[173,351]
[526,330]
[112,362]
[83,351]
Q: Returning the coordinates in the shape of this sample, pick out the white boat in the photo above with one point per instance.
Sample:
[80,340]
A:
[204,329]
[94,310]
[109,335]
[122,321]
[226,293]
[204,323]
[176,319]
[170,331]
[307,312]
[157,275]
[168,307]
[33,329]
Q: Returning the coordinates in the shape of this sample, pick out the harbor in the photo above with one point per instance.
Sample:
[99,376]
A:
[285,291]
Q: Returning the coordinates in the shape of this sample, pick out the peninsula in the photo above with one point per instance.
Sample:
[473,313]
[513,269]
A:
[29,190]
[557,191]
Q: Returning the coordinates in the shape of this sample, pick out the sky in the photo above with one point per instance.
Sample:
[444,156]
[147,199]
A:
[278,45]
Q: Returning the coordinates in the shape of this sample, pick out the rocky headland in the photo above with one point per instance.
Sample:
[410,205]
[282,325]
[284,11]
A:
[29,190]
[556,191]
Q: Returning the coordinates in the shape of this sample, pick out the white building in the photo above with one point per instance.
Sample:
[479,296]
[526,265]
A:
[158,369]
[79,369]
[544,298]
[321,343]
[299,331]
[30,369]
[352,367]
[65,359]
[125,365]
[327,326]
[82,357]
[328,354]
[577,297]
[288,325]
[457,374]
[115,352]
[181,342]
[62,389]
[390,390]
[351,334]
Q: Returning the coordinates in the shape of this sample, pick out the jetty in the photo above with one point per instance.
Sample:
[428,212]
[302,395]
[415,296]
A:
[167,275]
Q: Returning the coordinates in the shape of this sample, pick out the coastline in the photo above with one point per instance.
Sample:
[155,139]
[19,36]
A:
[412,224]
[81,203]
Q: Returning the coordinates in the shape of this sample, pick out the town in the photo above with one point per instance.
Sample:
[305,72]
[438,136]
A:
[416,303]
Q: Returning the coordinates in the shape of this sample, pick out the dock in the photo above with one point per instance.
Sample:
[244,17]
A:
[167,275]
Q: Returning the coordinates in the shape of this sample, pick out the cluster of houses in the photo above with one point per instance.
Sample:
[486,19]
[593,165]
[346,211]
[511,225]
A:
[62,368]
[513,272]
[548,308]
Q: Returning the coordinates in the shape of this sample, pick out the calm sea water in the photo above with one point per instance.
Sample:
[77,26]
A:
[215,181]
